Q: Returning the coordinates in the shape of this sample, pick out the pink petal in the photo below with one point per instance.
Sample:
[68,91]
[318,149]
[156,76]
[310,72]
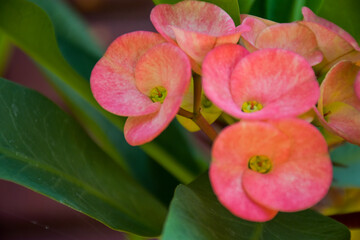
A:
[249,38]
[330,43]
[282,81]
[168,66]
[309,16]
[344,120]
[143,129]
[112,79]
[217,68]
[338,85]
[164,65]
[231,152]
[195,26]
[357,86]
[302,180]
[192,16]
[291,36]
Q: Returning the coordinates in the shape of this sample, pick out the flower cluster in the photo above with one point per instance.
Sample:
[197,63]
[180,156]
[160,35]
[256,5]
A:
[261,73]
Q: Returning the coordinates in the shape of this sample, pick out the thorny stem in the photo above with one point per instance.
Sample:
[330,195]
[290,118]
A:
[196,116]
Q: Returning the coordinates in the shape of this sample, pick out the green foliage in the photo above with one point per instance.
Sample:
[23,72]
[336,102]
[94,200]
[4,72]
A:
[230,6]
[347,168]
[74,40]
[44,149]
[195,214]
[31,29]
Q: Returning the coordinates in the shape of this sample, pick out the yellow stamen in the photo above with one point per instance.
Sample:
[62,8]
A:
[260,164]
[251,106]
[158,94]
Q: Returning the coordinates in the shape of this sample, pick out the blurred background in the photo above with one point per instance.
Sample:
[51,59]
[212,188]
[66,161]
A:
[24,214]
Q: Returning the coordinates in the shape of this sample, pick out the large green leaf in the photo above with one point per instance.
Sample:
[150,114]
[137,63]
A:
[44,149]
[347,169]
[5,49]
[73,37]
[245,5]
[195,214]
[230,6]
[30,28]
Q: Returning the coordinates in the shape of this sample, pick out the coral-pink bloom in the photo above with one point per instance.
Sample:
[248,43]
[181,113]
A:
[334,42]
[260,168]
[290,36]
[268,83]
[339,104]
[143,77]
[196,26]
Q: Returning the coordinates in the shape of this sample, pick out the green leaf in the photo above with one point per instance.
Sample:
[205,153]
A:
[347,169]
[245,6]
[230,6]
[5,51]
[343,13]
[195,214]
[44,149]
[31,29]
[75,42]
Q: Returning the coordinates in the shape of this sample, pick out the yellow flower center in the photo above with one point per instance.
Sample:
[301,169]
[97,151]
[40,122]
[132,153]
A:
[251,106]
[260,164]
[158,94]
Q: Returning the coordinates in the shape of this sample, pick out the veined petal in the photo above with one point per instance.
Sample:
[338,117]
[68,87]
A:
[339,85]
[249,38]
[283,82]
[343,120]
[217,68]
[309,16]
[291,36]
[143,129]
[164,65]
[193,16]
[231,152]
[357,86]
[300,181]
[113,81]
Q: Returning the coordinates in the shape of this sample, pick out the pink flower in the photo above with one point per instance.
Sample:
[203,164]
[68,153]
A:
[145,78]
[260,168]
[339,103]
[290,36]
[334,42]
[196,26]
[268,83]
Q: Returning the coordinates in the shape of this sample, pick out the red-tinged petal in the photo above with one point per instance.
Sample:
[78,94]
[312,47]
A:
[164,65]
[231,152]
[143,129]
[344,120]
[357,86]
[311,17]
[197,45]
[302,180]
[265,21]
[112,79]
[217,68]
[291,36]
[249,38]
[330,43]
[338,85]
[193,16]
[283,82]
